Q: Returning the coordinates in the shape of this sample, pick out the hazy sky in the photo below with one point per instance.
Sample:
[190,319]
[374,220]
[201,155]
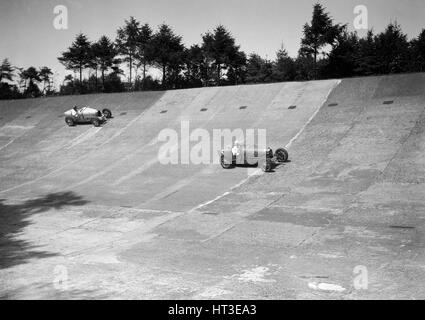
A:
[27,35]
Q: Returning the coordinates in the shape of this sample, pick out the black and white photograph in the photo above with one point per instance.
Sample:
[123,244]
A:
[205,151]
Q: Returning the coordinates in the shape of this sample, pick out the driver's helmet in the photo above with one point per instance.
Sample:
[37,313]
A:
[75,108]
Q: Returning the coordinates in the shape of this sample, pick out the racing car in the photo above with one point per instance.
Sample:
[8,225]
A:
[79,115]
[252,156]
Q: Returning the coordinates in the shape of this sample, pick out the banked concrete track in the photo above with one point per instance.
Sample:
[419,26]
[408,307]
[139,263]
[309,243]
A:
[96,202]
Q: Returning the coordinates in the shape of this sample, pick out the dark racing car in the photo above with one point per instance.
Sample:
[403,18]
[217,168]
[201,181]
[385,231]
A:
[243,155]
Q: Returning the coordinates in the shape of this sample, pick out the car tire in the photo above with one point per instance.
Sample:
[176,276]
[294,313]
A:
[281,155]
[107,113]
[69,121]
[223,163]
[96,122]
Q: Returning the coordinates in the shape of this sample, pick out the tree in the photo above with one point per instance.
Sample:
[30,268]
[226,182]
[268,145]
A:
[22,83]
[113,83]
[127,42]
[220,50]
[417,46]
[68,78]
[366,56]
[318,33]
[6,71]
[207,49]
[45,76]
[195,66]
[78,55]
[168,52]
[284,68]
[105,55]
[144,48]
[93,64]
[32,76]
[342,57]
[236,72]
[258,70]
[304,66]
[7,90]
[392,50]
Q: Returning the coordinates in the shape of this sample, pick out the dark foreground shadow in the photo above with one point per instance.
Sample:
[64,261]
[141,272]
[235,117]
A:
[14,218]
[46,291]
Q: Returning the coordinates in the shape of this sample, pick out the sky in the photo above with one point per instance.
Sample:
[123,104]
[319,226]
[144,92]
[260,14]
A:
[28,36]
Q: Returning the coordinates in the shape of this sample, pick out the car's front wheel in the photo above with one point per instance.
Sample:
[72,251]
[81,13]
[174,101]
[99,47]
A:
[107,113]
[69,121]
[96,122]
[281,155]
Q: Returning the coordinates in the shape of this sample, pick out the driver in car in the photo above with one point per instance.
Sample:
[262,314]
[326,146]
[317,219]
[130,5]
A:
[236,150]
[74,111]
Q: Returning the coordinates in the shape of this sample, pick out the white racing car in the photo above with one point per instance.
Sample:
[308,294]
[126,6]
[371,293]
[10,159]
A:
[79,115]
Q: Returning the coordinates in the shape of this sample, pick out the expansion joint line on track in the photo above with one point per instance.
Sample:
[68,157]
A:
[107,216]
[7,144]
[125,238]
[403,140]
[235,224]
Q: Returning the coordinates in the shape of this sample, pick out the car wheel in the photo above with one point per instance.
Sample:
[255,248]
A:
[69,121]
[281,155]
[224,164]
[96,122]
[107,113]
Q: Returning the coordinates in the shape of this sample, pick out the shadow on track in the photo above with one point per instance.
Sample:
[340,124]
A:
[41,291]
[14,218]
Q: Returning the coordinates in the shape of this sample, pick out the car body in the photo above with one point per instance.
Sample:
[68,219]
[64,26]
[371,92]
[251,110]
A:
[252,155]
[80,115]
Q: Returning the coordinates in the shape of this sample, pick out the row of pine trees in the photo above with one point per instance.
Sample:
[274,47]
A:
[124,64]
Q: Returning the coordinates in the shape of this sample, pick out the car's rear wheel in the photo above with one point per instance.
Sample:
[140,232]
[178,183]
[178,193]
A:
[96,122]
[107,113]
[281,155]
[69,121]
[224,164]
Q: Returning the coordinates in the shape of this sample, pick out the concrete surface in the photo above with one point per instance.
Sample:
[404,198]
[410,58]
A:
[91,213]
